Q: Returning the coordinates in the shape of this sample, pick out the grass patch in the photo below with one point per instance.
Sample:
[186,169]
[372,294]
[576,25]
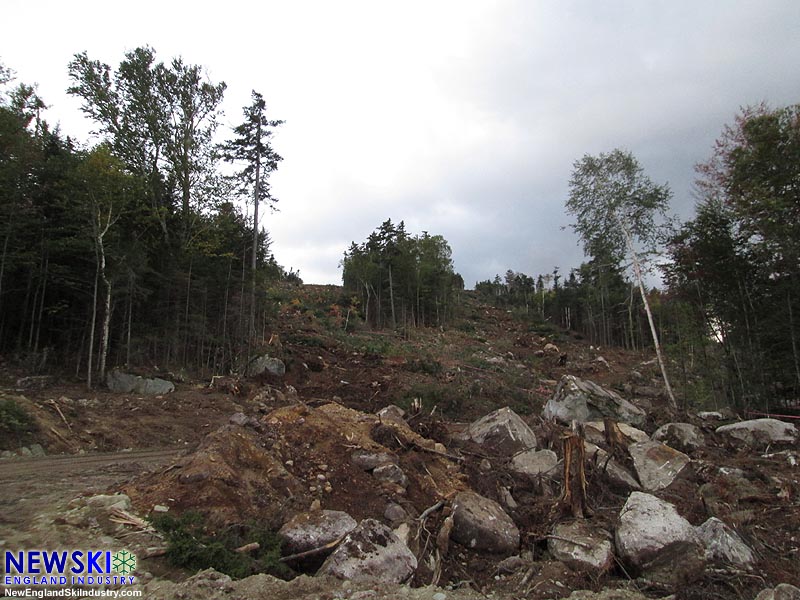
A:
[191,546]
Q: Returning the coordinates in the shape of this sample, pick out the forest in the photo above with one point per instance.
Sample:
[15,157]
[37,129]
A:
[146,248]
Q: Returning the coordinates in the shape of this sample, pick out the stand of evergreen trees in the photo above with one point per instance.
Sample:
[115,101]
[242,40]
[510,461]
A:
[132,251]
[402,280]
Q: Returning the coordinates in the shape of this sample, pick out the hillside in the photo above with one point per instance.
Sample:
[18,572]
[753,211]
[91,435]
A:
[270,447]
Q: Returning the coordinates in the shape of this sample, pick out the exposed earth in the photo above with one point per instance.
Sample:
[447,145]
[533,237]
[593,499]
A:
[266,448]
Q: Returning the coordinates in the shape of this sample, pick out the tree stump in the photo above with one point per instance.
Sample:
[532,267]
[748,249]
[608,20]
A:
[573,499]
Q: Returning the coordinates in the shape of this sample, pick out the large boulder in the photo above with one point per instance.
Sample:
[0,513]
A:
[125,383]
[533,463]
[480,524]
[371,552]
[761,432]
[582,547]
[654,539]
[310,530]
[265,364]
[722,544]
[657,465]
[502,432]
[612,469]
[683,436]
[595,432]
[784,591]
[582,400]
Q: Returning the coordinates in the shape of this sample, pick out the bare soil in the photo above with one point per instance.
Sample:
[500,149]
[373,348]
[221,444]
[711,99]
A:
[181,451]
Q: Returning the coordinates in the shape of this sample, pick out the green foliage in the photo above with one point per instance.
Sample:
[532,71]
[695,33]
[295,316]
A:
[425,364]
[14,420]
[190,546]
[175,246]
[736,265]
[402,279]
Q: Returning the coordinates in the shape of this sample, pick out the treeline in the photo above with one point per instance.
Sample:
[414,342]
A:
[402,279]
[133,251]
[735,267]
[728,315]
[596,300]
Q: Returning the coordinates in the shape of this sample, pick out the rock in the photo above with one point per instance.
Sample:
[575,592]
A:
[371,552]
[653,538]
[506,498]
[370,460]
[25,451]
[723,544]
[310,530]
[108,501]
[533,463]
[710,415]
[160,508]
[594,431]
[239,419]
[657,465]
[784,591]
[511,564]
[392,412]
[481,524]
[615,472]
[125,383]
[394,513]
[502,431]
[582,400]
[582,547]
[265,364]
[761,432]
[35,382]
[683,436]
[551,349]
[37,450]
[390,473]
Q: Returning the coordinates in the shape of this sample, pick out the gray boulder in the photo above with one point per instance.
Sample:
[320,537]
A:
[784,591]
[370,460]
[481,524]
[265,364]
[722,544]
[390,473]
[613,470]
[503,432]
[533,463]
[761,432]
[583,400]
[125,383]
[310,530]
[594,431]
[657,465]
[582,547]
[371,552]
[683,436]
[654,539]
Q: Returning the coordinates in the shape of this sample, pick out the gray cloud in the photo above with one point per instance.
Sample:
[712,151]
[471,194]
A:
[461,118]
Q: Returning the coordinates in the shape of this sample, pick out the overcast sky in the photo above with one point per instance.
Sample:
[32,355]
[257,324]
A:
[461,118]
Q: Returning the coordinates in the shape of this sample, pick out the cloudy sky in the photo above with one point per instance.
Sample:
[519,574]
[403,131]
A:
[462,118]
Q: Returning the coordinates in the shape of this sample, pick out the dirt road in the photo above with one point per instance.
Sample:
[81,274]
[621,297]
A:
[34,492]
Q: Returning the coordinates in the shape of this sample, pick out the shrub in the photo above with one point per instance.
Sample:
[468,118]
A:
[15,422]
[190,546]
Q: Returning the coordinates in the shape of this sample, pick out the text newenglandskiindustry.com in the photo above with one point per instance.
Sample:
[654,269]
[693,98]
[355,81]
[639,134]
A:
[69,593]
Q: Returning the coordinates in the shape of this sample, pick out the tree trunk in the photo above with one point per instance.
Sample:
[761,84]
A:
[637,270]
[391,298]
[93,321]
[253,263]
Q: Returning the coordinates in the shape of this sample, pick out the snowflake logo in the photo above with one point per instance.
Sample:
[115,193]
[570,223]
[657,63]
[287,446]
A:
[123,562]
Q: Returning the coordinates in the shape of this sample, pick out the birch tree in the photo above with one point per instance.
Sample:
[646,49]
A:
[617,209]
